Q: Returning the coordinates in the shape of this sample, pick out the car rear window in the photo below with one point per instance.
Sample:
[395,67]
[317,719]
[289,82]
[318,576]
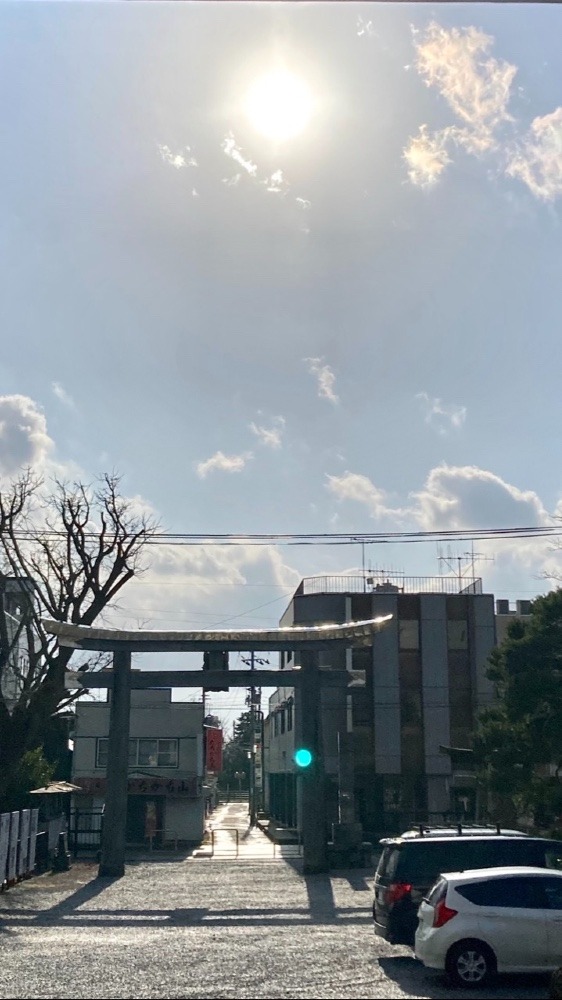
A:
[519,891]
[389,862]
[424,861]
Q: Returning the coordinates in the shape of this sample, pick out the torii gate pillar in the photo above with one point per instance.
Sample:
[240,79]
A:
[112,862]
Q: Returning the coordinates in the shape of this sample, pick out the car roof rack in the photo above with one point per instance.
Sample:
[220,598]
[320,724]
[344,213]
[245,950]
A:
[460,829]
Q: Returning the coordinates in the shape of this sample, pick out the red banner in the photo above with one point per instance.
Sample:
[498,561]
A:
[213,749]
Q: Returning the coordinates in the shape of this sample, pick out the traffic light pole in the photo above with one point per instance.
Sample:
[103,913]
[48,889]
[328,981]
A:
[314,836]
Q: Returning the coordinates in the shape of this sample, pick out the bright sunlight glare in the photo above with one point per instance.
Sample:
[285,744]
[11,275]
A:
[279,105]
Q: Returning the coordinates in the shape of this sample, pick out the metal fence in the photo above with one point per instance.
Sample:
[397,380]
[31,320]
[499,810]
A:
[373,583]
[85,830]
[18,845]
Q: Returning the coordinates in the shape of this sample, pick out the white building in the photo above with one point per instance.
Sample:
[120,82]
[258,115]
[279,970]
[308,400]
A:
[165,794]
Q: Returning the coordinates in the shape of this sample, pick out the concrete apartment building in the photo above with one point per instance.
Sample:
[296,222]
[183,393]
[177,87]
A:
[165,787]
[416,690]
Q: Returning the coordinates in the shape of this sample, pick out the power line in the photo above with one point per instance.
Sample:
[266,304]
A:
[324,538]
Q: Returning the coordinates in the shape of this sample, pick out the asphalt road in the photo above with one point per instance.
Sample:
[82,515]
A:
[246,927]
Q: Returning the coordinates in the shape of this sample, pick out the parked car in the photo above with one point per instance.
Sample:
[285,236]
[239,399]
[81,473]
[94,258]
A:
[476,923]
[409,865]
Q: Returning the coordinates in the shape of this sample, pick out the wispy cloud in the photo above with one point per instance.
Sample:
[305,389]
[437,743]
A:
[365,27]
[276,184]
[303,203]
[62,395]
[476,86]
[427,157]
[326,379]
[440,415]
[234,152]
[537,160]
[359,488]
[271,437]
[177,160]
[219,462]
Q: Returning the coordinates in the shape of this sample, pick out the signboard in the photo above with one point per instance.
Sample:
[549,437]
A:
[149,785]
[4,845]
[13,849]
[33,838]
[213,749]
[25,822]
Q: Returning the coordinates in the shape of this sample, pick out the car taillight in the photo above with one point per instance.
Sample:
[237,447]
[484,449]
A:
[396,891]
[442,914]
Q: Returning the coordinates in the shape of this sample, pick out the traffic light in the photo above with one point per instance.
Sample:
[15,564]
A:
[302,757]
[216,659]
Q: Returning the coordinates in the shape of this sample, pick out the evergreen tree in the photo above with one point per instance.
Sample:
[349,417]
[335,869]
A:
[519,742]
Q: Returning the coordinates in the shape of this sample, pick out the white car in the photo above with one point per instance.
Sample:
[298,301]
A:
[473,924]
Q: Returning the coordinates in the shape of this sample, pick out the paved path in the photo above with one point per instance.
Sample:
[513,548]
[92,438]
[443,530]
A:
[230,837]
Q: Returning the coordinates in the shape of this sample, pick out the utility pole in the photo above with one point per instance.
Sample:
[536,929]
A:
[254,702]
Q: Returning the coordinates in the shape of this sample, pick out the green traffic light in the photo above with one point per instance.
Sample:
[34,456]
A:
[303,757]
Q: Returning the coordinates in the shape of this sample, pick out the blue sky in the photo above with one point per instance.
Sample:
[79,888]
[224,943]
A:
[352,329]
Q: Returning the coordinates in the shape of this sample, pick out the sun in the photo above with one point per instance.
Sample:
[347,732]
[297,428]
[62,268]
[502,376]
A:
[279,105]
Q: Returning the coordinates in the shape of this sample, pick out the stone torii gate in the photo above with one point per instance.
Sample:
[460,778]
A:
[307,680]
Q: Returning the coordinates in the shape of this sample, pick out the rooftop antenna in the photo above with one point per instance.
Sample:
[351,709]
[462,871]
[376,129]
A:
[469,559]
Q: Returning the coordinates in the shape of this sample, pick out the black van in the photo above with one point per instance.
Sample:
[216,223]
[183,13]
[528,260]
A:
[410,864]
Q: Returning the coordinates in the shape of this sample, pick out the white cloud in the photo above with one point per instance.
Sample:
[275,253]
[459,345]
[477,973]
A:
[24,440]
[537,161]
[469,497]
[353,486]
[270,436]
[476,86]
[62,395]
[177,160]
[427,157]
[276,184]
[326,379]
[440,415]
[223,463]
[203,586]
[303,203]
[232,150]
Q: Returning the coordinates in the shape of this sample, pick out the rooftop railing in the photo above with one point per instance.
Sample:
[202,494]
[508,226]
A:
[389,583]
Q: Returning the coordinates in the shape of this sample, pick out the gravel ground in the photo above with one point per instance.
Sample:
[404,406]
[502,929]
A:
[208,929]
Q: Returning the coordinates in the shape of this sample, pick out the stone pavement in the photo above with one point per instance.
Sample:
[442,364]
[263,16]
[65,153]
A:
[187,929]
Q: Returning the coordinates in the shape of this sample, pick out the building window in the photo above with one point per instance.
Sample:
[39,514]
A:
[282,719]
[142,753]
[102,746]
[457,634]
[409,632]
[276,723]
[289,716]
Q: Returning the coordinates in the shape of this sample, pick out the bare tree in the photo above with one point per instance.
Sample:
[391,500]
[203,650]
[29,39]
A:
[67,555]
